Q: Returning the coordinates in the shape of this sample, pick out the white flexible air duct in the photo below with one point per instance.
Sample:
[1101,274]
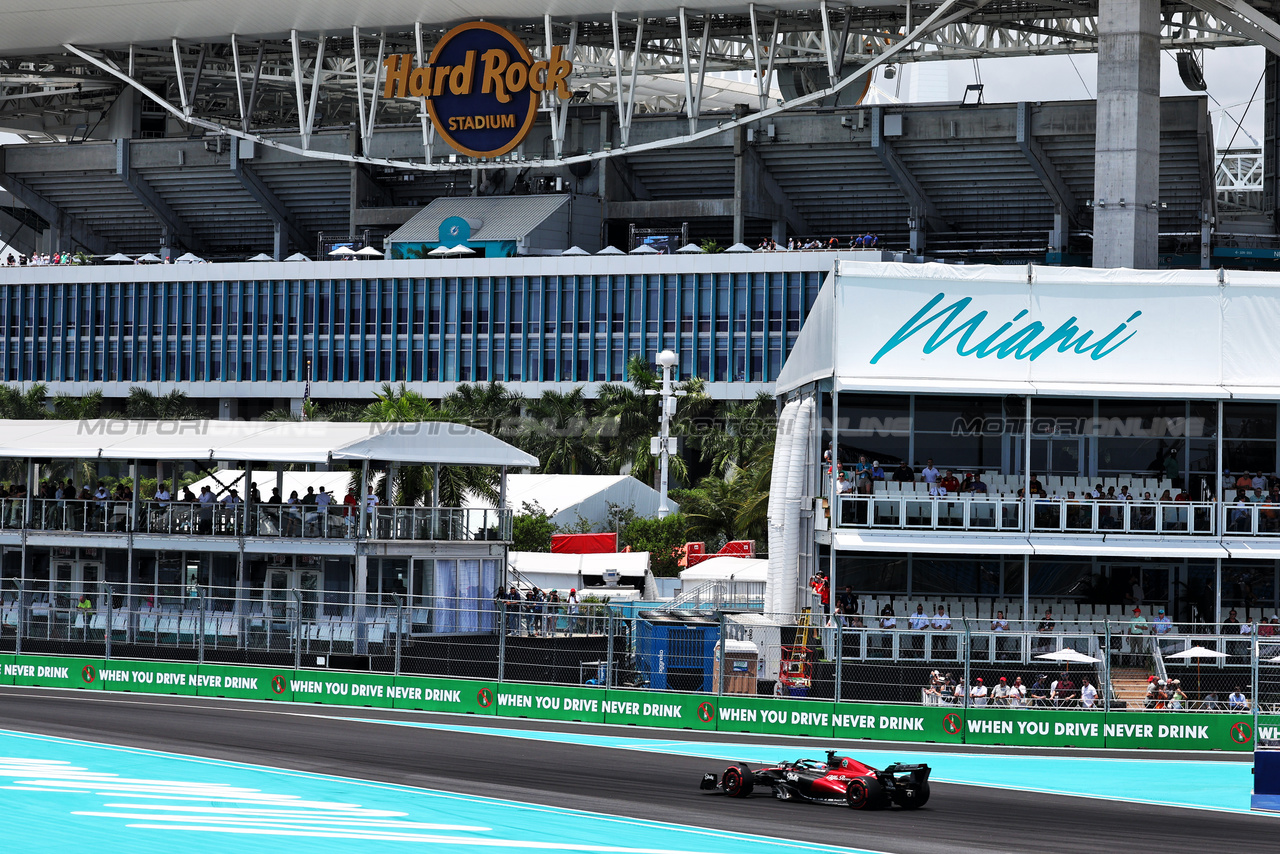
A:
[777,486]
[797,478]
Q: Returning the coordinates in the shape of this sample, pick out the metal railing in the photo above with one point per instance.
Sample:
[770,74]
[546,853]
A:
[224,519]
[927,513]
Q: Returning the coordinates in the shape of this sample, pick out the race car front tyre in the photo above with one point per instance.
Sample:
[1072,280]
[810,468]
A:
[738,781]
[913,798]
[864,793]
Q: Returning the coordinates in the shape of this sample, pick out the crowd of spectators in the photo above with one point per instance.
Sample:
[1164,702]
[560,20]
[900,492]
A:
[1062,692]
[539,612]
[857,241]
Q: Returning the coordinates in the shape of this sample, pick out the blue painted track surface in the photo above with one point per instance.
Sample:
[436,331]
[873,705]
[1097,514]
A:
[1185,782]
[66,795]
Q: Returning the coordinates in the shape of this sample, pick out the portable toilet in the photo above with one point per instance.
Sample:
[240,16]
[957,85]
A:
[741,667]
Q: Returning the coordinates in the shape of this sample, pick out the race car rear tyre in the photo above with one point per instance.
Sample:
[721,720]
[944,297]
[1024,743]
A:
[864,793]
[738,781]
[914,801]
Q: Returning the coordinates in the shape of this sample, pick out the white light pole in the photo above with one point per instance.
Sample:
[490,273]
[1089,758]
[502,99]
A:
[661,444]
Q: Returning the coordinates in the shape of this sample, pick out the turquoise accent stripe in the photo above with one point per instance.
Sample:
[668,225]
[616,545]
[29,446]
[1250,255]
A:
[1181,782]
[66,795]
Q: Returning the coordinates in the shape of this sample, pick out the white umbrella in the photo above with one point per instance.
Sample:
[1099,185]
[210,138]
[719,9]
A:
[1275,660]
[262,256]
[189,258]
[1198,653]
[1069,655]
[611,250]
[297,256]
[119,257]
[739,247]
[148,259]
[369,251]
[454,251]
[342,250]
[575,250]
[690,249]
[439,251]
[643,249]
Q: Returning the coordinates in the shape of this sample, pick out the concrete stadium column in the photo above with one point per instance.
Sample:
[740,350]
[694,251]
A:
[1127,159]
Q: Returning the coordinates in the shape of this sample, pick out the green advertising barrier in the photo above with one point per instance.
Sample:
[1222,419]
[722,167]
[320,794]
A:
[763,715]
[548,702]
[6,664]
[1268,728]
[943,724]
[147,677]
[244,683]
[443,695]
[1179,731]
[660,709]
[49,672]
[340,688]
[1028,727]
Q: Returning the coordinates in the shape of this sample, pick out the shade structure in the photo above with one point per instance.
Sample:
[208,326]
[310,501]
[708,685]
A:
[148,259]
[439,252]
[297,256]
[369,252]
[739,247]
[575,250]
[118,258]
[611,250]
[262,256]
[189,258]
[455,251]
[691,249]
[643,249]
[1197,652]
[342,250]
[1070,656]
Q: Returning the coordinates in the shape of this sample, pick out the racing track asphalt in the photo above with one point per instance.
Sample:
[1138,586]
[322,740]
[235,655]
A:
[650,786]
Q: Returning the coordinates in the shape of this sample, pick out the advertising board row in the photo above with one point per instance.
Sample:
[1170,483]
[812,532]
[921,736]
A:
[730,713]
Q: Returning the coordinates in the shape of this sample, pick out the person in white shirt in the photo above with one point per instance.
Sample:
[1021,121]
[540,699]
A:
[1017,693]
[918,622]
[944,645]
[938,489]
[1124,494]
[1259,481]
[999,624]
[323,499]
[1088,693]
[1000,693]
[978,693]
[162,497]
[887,623]
[957,696]
[929,474]
[941,621]
[1237,702]
[232,498]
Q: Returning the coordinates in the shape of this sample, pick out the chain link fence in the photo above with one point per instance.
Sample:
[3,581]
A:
[926,659]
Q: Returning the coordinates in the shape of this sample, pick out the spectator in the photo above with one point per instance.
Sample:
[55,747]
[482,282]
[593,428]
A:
[1139,629]
[978,693]
[950,483]
[887,623]
[1045,629]
[1000,693]
[1178,697]
[919,623]
[1063,691]
[904,473]
[822,589]
[929,474]
[1149,701]
[1162,625]
[1231,625]
[1038,696]
[1017,693]
[979,487]
[1088,693]
[877,473]
[1236,700]
[933,690]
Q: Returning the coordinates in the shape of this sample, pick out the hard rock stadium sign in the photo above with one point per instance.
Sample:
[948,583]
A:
[481,87]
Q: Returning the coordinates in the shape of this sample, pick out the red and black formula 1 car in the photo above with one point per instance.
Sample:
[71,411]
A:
[839,780]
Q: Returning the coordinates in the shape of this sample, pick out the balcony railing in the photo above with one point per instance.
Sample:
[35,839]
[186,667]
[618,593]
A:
[1054,515]
[284,521]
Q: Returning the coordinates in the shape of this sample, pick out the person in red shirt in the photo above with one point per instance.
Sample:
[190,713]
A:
[823,589]
[351,510]
[951,483]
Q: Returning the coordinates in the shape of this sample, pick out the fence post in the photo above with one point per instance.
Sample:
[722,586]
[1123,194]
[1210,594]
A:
[297,630]
[22,616]
[720,651]
[399,628]
[837,693]
[968,656]
[200,642]
[608,660]
[110,622]
[502,639]
[1257,675]
[1107,693]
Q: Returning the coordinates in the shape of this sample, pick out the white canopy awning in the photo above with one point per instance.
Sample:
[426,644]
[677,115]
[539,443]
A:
[259,441]
[628,564]
[725,567]
[866,541]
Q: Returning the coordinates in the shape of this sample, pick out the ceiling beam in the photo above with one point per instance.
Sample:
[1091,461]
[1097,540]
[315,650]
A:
[1039,161]
[919,201]
[265,198]
[175,228]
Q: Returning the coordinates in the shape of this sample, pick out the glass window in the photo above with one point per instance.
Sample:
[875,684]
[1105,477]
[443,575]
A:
[1249,420]
[872,574]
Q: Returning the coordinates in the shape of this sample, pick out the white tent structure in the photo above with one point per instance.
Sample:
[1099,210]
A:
[727,579]
[564,572]
[567,498]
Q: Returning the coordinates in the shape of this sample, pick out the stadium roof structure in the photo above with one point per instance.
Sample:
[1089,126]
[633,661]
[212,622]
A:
[425,442]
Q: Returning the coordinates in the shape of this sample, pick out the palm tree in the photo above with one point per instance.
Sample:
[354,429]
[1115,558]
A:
[24,405]
[70,408]
[490,407]
[174,406]
[752,488]
[561,432]
[740,435]
[711,510]
[311,411]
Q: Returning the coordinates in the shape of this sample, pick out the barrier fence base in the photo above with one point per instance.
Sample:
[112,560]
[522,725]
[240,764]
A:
[726,713]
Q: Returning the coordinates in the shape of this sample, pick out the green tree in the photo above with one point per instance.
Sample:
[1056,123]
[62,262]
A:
[16,404]
[531,529]
[741,433]
[661,538]
[489,407]
[71,408]
[562,434]
[173,406]
[711,511]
